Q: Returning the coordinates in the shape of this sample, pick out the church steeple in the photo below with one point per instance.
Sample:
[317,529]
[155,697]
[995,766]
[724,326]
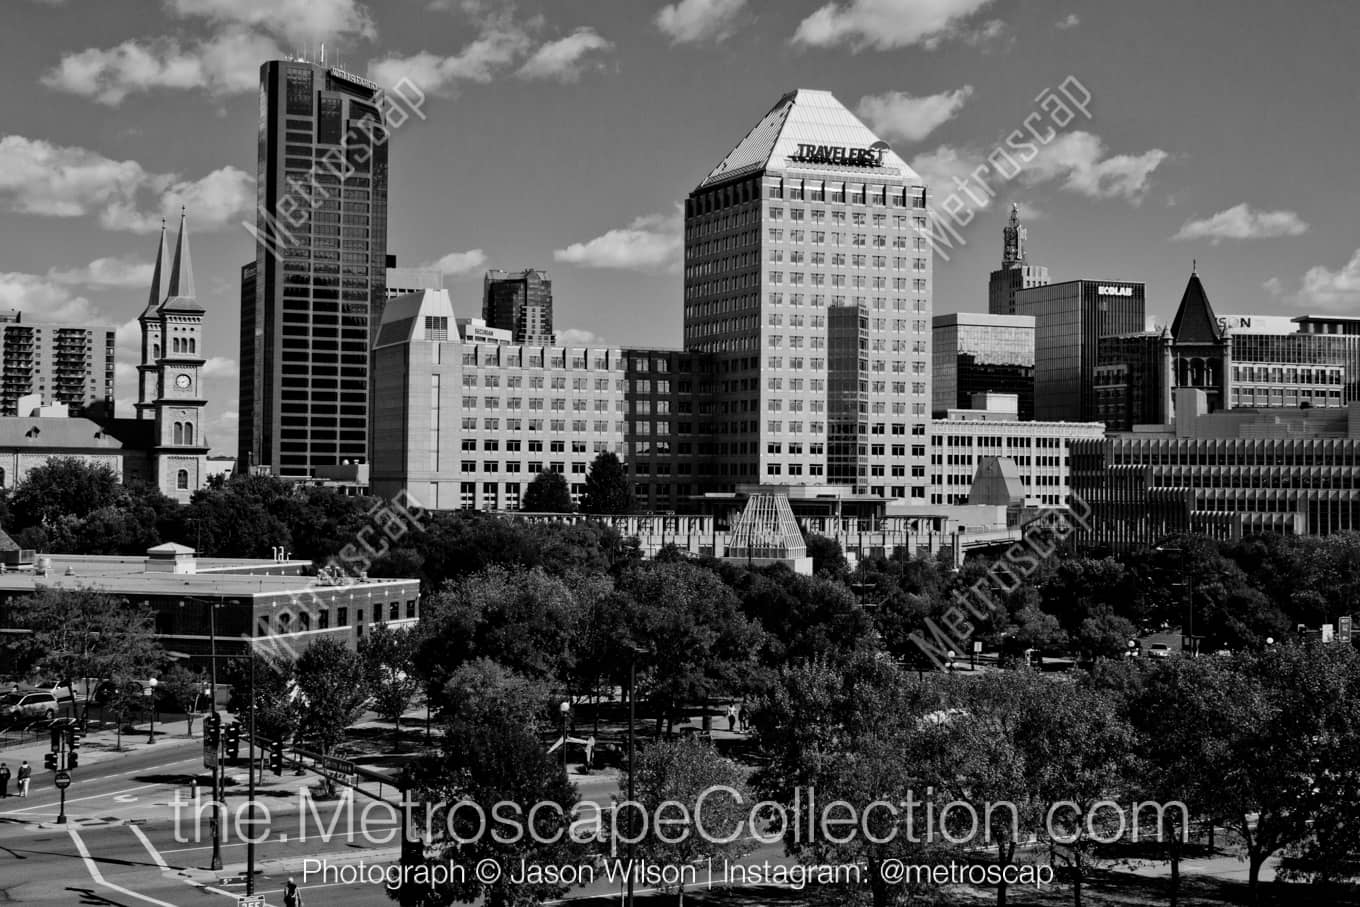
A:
[182,271]
[158,283]
[1013,240]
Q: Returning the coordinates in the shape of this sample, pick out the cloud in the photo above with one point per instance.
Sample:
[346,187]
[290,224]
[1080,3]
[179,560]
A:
[898,116]
[456,263]
[1243,222]
[1079,160]
[43,299]
[1325,290]
[651,243]
[227,63]
[497,48]
[890,24]
[297,20]
[579,337]
[106,272]
[691,21]
[220,367]
[985,34]
[38,177]
[1071,20]
[565,59]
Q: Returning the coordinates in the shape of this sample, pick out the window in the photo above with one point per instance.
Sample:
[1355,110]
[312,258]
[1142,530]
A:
[182,480]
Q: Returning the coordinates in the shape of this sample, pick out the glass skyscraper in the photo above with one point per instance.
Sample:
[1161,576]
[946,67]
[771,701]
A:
[320,269]
[520,303]
[976,354]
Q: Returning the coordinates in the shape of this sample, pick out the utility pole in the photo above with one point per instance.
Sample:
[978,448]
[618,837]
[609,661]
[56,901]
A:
[250,761]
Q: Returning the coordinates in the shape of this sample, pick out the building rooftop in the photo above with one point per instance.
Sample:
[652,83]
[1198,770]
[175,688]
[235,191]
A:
[983,319]
[807,117]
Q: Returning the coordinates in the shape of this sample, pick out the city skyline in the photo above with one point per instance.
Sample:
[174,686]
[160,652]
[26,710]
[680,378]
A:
[536,149]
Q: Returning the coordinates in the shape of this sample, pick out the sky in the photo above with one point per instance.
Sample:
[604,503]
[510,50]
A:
[565,134]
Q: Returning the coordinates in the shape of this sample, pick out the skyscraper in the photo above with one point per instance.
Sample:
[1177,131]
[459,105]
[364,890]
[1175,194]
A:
[807,276]
[61,363]
[1015,273]
[521,303]
[320,269]
[976,354]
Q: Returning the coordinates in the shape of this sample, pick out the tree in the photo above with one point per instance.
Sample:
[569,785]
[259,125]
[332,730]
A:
[683,771]
[827,556]
[62,487]
[491,754]
[184,688]
[277,710]
[607,487]
[332,687]
[1105,635]
[548,493]
[390,666]
[82,633]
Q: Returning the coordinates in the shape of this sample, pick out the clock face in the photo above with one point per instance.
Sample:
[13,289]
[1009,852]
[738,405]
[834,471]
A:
[183,382]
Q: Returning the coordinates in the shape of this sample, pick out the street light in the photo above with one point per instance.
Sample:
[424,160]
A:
[949,661]
[634,650]
[1133,648]
[1270,640]
[565,710]
[151,694]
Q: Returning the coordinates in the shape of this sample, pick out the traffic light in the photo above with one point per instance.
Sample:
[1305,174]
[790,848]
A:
[56,739]
[50,761]
[212,729]
[233,735]
[73,740]
[73,759]
[276,757]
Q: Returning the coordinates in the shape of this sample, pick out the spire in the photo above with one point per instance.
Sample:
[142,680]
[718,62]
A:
[157,295]
[1195,321]
[1013,240]
[182,271]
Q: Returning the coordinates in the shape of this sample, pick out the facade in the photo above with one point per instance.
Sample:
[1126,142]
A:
[521,303]
[808,219]
[60,363]
[975,354]
[1069,320]
[1226,474]
[319,281]
[1317,366]
[1015,273]
[261,605]
[1133,380]
[1040,452]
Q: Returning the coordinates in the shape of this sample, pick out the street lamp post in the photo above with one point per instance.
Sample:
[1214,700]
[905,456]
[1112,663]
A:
[1189,584]
[151,695]
[565,710]
[634,651]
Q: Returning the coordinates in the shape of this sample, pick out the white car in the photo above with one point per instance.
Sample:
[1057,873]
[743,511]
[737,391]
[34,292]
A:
[1159,650]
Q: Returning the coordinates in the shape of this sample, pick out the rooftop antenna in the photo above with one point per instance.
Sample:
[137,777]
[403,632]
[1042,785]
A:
[323,53]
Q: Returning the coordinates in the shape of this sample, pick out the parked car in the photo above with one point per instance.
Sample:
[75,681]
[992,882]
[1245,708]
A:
[1159,650]
[28,705]
[58,688]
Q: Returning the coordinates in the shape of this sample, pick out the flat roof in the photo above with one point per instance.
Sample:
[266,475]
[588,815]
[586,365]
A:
[131,565]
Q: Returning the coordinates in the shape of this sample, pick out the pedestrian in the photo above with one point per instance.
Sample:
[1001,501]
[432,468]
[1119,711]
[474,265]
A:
[731,717]
[743,718]
[4,780]
[292,895]
[25,772]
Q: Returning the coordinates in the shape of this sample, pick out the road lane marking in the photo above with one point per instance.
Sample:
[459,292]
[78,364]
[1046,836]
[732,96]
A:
[98,877]
[160,861]
[69,800]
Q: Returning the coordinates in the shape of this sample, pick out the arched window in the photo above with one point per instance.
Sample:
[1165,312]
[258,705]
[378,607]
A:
[2,477]
[182,480]
[179,432]
[174,344]
[193,346]
[188,433]
[155,351]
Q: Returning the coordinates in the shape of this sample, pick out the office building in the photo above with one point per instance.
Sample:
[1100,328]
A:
[521,303]
[809,235]
[272,606]
[318,290]
[1015,273]
[165,444]
[59,363]
[975,354]
[1226,474]
[991,429]
[1242,361]
[1069,320]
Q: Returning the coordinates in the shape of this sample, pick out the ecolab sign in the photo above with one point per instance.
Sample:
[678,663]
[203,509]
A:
[1114,291]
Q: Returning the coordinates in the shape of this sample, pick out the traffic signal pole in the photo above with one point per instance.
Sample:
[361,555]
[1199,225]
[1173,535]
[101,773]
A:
[250,762]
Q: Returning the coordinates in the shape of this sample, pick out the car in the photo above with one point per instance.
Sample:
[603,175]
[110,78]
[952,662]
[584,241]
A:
[28,705]
[1159,650]
[58,688]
